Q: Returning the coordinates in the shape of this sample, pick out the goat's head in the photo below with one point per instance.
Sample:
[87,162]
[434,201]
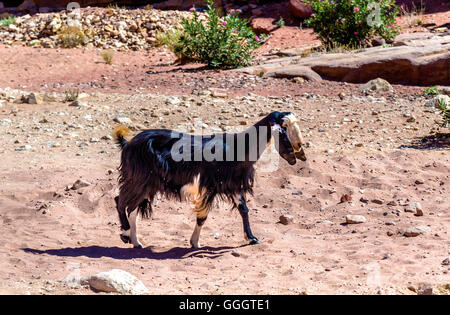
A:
[290,140]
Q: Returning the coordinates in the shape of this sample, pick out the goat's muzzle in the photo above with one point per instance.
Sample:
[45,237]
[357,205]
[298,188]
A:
[300,154]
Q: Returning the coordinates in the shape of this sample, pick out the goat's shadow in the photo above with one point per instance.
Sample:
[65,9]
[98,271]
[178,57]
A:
[131,253]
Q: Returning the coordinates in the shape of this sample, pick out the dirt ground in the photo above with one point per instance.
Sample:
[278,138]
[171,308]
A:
[374,148]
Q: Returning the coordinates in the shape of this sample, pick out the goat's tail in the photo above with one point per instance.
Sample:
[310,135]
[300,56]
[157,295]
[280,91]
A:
[120,132]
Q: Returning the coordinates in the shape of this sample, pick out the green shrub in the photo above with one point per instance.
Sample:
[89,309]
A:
[281,22]
[432,90]
[220,42]
[108,57]
[351,22]
[8,21]
[444,108]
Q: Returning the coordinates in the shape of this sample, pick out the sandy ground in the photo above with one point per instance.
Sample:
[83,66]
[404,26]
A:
[54,234]
[365,146]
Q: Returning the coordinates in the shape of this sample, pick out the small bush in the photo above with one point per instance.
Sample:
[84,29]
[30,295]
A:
[444,108]
[281,22]
[221,42]
[8,21]
[433,90]
[352,22]
[108,57]
[73,36]
[71,95]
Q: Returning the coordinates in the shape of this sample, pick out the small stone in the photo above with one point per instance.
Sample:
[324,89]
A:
[121,119]
[80,183]
[416,231]
[53,144]
[24,148]
[286,219]
[419,213]
[419,182]
[377,201]
[413,207]
[94,140]
[78,103]
[392,203]
[446,261]
[297,193]
[355,219]
[346,198]
[425,290]
[342,95]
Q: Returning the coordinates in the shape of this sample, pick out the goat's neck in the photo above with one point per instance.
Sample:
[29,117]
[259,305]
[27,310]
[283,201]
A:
[264,135]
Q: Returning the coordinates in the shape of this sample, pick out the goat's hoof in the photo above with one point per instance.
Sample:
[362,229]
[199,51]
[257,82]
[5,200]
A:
[254,241]
[125,238]
[138,246]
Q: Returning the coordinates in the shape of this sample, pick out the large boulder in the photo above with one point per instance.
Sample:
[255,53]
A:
[300,9]
[417,63]
[294,71]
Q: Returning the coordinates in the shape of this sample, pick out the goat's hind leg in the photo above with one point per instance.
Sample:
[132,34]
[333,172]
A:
[128,221]
[243,210]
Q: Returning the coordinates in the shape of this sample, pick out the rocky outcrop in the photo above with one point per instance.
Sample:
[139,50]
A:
[424,60]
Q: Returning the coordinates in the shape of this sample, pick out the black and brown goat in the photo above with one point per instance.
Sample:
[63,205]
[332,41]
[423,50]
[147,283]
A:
[201,169]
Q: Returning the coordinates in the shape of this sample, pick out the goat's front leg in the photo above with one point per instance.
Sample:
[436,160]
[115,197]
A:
[243,210]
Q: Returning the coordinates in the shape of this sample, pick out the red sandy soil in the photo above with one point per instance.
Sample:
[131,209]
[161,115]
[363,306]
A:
[52,234]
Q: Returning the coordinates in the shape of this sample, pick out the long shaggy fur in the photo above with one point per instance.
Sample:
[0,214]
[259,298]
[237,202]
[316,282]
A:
[147,168]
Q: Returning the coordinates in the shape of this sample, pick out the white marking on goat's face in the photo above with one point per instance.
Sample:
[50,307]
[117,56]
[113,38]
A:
[290,122]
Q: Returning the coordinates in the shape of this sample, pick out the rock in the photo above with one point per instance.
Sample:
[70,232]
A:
[172,100]
[24,148]
[53,144]
[297,193]
[346,198]
[262,26]
[80,183]
[413,207]
[446,261]
[119,281]
[442,289]
[121,119]
[416,231]
[354,219]
[294,71]
[397,65]
[78,103]
[434,102]
[377,201]
[34,98]
[300,9]
[286,219]
[376,85]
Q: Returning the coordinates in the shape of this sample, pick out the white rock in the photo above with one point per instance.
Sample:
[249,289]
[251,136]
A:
[414,207]
[417,230]
[119,281]
[354,219]
[122,120]
[24,148]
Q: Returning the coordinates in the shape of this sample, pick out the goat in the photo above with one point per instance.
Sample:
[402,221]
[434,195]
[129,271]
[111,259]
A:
[201,169]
